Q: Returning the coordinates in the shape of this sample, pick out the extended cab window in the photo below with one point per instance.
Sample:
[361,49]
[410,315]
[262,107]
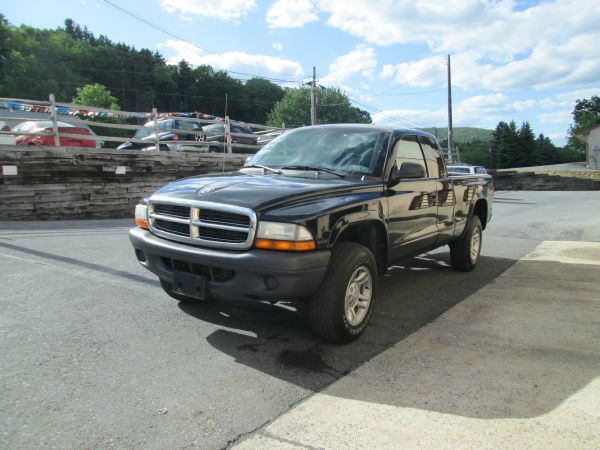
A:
[407,149]
[435,163]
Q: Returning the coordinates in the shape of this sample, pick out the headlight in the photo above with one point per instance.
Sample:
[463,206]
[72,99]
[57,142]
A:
[141,216]
[284,236]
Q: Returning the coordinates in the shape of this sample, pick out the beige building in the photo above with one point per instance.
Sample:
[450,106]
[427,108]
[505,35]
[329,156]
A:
[591,138]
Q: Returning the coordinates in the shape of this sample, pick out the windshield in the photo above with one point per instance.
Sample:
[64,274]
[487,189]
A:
[459,169]
[149,128]
[351,151]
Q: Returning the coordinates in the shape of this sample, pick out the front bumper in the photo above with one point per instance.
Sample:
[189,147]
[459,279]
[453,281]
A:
[253,274]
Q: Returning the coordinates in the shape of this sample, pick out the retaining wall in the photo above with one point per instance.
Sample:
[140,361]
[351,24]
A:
[550,181]
[75,183]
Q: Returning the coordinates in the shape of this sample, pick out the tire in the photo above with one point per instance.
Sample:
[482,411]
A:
[168,288]
[464,252]
[328,310]
[214,149]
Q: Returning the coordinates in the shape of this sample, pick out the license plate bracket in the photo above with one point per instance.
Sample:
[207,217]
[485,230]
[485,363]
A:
[190,285]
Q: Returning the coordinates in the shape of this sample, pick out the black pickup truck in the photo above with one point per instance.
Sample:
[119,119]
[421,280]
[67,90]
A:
[313,219]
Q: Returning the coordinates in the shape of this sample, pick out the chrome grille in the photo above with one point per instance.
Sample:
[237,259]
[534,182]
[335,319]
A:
[172,210]
[202,223]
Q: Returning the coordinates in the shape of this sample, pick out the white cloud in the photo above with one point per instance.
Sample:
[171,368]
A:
[480,111]
[362,60]
[553,43]
[556,117]
[227,10]
[291,13]
[265,65]
[277,46]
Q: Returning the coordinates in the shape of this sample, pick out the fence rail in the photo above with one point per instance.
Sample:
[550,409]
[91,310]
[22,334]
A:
[155,140]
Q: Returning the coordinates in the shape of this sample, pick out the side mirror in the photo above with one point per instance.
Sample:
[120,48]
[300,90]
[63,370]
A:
[407,170]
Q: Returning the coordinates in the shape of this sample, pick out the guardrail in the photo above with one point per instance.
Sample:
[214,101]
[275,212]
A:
[66,112]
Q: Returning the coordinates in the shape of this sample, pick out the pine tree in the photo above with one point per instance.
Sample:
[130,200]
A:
[526,146]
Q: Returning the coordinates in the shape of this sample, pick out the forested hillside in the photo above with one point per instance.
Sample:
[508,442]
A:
[36,62]
[462,134]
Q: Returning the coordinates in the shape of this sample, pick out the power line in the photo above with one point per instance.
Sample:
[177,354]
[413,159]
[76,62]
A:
[169,33]
[393,118]
[412,93]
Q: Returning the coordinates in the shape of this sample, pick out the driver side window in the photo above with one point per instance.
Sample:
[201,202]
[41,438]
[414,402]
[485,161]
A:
[407,149]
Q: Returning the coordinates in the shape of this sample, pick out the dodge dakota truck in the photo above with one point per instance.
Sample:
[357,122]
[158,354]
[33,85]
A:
[313,219]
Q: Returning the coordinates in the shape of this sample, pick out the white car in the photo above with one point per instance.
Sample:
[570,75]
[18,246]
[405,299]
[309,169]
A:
[466,169]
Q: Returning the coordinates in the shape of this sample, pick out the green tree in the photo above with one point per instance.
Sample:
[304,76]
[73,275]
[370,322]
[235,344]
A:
[36,62]
[526,146]
[259,96]
[95,95]
[545,152]
[505,146]
[333,107]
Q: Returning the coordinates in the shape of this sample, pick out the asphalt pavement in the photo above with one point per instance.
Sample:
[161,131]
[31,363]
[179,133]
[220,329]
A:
[95,355]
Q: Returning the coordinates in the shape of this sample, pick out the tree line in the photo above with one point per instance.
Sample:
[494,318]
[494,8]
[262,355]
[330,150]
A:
[35,62]
[511,147]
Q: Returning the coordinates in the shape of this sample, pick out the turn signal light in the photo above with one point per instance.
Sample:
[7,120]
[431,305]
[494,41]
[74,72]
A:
[141,223]
[290,246]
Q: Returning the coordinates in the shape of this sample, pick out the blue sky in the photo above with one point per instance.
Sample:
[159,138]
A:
[511,60]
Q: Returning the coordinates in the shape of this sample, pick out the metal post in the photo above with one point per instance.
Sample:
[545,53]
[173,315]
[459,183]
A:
[450,141]
[155,117]
[228,134]
[313,98]
[54,120]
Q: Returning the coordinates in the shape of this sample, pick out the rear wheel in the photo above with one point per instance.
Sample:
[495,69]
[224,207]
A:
[342,306]
[464,253]
[168,288]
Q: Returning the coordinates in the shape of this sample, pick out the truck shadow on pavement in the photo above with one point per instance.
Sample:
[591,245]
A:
[468,374]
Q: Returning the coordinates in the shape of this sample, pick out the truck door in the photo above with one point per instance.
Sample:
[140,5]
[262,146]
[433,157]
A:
[412,210]
[444,188]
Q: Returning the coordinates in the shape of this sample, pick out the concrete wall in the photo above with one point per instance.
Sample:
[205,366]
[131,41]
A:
[593,148]
[559,181]
[73,183]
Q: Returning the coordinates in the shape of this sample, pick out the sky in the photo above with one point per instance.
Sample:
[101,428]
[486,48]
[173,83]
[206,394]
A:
[521,60]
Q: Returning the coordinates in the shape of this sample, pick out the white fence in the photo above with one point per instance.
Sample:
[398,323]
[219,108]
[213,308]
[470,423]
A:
[69,113]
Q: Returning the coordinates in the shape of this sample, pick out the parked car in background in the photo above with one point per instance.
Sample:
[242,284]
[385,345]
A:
[6,139]
[265,138]
[191,131]
[215,135]
[466,169]
[87,138]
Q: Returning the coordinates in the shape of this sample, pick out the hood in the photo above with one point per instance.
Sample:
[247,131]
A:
[254,191]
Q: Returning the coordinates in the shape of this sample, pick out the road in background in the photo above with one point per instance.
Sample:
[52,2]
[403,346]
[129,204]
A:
[94,354]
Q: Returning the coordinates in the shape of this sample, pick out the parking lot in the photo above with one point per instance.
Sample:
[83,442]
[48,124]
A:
[95,355]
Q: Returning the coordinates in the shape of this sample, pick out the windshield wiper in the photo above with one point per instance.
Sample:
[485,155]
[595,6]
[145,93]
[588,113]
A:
[264,168]
[318,169]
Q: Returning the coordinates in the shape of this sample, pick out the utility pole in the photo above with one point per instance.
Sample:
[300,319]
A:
[450,141]
[313,98]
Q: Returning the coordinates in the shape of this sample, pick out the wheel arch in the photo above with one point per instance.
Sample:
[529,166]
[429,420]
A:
[372,234]
[480,209]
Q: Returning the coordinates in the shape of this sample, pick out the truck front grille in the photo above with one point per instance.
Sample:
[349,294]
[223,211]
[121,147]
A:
[181,229]
[172,210]
[202,223]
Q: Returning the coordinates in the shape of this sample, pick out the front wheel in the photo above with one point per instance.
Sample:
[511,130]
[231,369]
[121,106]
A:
[342,306]
[464,252]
